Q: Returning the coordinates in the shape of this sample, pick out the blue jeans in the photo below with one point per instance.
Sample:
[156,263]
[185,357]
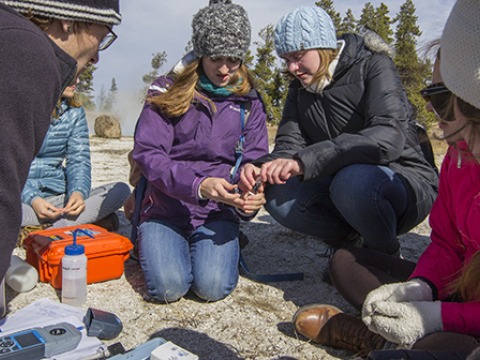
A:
[361,200]
[205,261]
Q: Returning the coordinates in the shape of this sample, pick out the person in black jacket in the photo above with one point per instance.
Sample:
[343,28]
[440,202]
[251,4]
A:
[347,166]
[44,46]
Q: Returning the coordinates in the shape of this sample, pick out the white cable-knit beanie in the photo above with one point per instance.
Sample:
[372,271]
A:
[460,51]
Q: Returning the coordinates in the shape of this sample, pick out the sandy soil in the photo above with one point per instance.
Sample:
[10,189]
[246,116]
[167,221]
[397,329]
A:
[254,322]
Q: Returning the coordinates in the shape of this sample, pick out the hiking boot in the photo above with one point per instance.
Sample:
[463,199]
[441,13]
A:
[109,222]
[327,325]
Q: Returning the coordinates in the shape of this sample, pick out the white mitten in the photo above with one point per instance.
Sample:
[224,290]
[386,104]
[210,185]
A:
[413,290]
[405,323]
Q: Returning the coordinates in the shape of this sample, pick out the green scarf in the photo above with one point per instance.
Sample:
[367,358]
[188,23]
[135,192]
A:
[213,89]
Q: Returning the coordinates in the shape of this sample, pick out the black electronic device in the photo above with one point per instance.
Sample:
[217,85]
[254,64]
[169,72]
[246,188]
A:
[38,343]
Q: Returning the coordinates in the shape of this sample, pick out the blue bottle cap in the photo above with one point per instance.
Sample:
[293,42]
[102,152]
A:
[75,249]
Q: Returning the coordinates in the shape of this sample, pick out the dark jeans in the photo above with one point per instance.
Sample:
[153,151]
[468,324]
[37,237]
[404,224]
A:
[359,200]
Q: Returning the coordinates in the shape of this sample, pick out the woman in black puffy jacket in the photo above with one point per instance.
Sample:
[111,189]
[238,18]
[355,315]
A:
[347,166]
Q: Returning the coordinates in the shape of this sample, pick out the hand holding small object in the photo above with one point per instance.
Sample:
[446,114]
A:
[219,189]
[249,178]
[45,210]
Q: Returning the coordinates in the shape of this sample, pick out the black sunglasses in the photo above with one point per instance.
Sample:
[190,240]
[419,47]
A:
[438,96]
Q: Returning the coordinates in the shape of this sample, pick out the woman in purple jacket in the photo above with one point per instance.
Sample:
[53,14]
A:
[200,123]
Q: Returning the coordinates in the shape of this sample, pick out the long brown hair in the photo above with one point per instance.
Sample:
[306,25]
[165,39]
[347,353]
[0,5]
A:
[74,101]
[176,100]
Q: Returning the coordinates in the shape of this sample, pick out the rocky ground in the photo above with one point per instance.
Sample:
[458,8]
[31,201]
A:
[254,322]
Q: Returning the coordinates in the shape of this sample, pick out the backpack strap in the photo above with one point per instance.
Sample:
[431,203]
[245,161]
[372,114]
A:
[139,191]
[239,145]
[243,265]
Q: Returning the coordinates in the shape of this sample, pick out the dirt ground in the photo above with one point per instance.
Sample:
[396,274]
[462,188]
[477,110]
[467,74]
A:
[252,323]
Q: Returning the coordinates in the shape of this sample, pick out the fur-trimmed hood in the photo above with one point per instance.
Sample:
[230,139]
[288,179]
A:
[357,47]
[375,42]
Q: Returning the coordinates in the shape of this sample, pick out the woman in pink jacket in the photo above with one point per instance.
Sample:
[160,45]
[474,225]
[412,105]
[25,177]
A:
[436,304]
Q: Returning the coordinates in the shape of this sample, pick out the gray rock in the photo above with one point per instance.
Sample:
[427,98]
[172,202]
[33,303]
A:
[107,126]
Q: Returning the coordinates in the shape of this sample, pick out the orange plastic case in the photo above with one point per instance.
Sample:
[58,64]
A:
[106,252]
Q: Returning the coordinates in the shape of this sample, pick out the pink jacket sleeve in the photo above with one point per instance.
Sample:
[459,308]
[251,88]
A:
[461,318]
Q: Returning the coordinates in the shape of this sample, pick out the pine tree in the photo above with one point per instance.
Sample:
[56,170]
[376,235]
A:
[264,68]
[367,18]
[102,98]
[279,92]
[111,97]
[348,25]
[327,5]
[406,36]
[158,60]
[85,87]
[248,59]
[383,23]
[412,71]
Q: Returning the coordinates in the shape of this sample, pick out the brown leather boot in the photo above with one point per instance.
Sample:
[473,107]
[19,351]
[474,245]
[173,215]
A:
[327,325]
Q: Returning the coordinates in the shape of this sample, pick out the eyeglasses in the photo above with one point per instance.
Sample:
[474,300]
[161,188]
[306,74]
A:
[438,96]
[108,39]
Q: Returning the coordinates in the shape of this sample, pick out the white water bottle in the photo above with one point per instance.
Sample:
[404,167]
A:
[74,275]
[21,276]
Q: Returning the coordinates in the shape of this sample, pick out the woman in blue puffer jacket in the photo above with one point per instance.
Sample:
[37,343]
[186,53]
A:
[57,191]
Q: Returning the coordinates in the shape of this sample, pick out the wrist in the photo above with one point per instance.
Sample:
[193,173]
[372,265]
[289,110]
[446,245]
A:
[428,288]
[301,168]
[200,194]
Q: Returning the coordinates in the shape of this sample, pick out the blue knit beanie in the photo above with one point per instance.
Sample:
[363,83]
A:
[303,29]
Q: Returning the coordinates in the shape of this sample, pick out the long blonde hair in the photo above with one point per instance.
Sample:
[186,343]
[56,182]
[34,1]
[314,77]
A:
[326,58]
[176,100]
[467,285]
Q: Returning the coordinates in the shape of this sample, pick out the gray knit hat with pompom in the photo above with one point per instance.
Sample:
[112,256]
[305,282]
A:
[221,29]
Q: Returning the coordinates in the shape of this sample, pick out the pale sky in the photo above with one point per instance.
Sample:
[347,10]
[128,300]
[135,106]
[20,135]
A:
[151,26]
